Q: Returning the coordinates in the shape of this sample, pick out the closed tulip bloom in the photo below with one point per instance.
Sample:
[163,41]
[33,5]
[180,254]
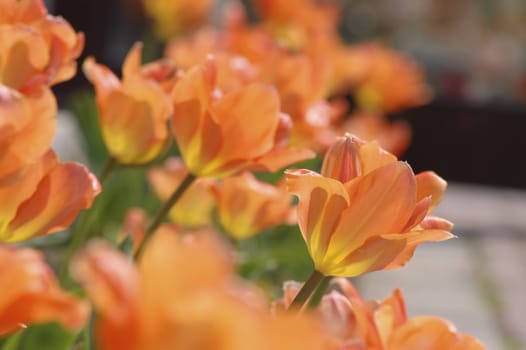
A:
[366,211]
[194,209]
[27,128]
[246,206]
[133,113]
[219,135]
[32,293]
[35,48]
[46,198]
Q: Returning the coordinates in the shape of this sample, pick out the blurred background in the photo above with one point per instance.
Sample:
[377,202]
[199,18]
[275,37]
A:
[473,53]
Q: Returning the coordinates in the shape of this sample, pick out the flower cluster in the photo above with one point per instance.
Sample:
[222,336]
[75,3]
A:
[213,124]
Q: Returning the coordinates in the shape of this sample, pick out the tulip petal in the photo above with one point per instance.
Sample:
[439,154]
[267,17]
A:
[431,333]
[101,77]
[413,239]
[373,157]
[13,194]
[112,283]
[58,198]
[436,223]
[27,128]
[364,317]
[191,98]
[428,183]
[421,209]
[34,295]
[26,54]
[321,201]
[132,63]
[375,254]
[248,118]
[381,202]
[134,121]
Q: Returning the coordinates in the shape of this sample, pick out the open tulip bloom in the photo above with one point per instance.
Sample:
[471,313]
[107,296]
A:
[366,211]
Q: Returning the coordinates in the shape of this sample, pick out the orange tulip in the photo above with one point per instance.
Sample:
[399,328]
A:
[246,206]
[35,48]
[173,17]
[367,211]
[183,296]
[133,112]
[384,325]
[389,81]
[45,198]
[31,293]
[219,135]
[27,128]
[194,209]
[294,22]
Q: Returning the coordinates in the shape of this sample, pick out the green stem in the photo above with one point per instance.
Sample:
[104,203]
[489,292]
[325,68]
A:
[109,167]
[303,296]
[319,292]
[176,195]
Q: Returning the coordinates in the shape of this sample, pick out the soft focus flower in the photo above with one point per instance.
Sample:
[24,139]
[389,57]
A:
[246,206]
[27,128]
[31,293]
[133,113]
[389,81]
[384,325]
[45,198]
[183,296]
[194,208]
[219,135]
[173,17]
[35,48]
[302,83]
[293,22]
[366,211]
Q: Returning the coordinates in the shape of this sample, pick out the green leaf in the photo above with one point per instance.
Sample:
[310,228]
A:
[49,336]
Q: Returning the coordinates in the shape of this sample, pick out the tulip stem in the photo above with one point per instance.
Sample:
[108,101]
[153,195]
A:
[315,280]
[319,292]
[176,195]
[108,169]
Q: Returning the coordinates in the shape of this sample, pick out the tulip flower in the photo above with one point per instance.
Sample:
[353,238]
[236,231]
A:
[390,82]
[366,211]
[36,48]
[219,135]
[133,112]
[173,17]
[45,198]
[182,296]
[194,209]
[246,206]
[27,128]
[32,294]
[384,325]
